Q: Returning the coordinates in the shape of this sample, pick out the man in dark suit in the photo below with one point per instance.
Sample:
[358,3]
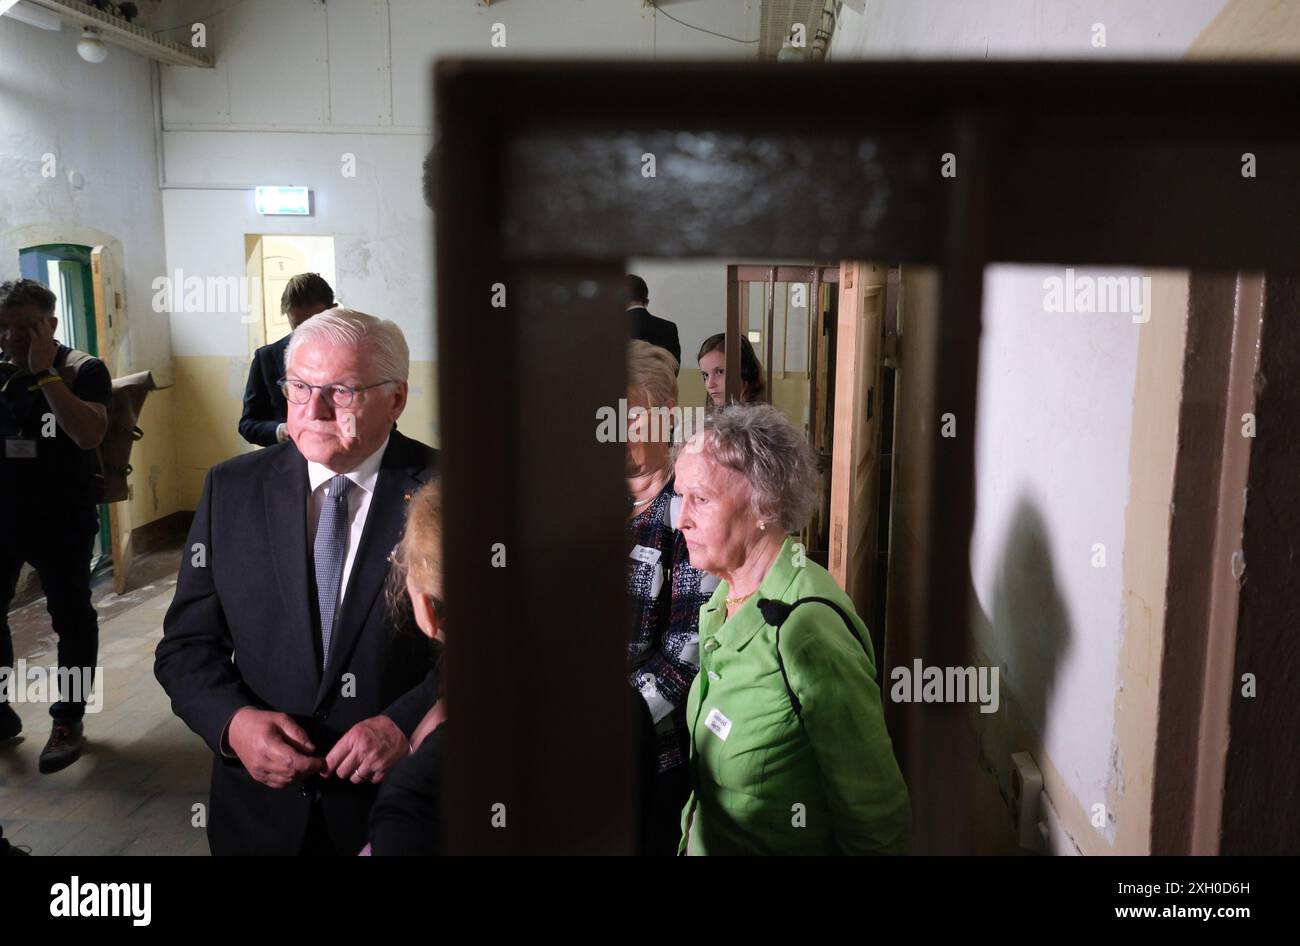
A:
[263,421]
[277,649]
[647,327]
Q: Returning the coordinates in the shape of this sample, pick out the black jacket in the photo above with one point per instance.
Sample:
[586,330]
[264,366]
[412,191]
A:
[265,408]
[245,591]
[53,491]
[407,817]
[656,331]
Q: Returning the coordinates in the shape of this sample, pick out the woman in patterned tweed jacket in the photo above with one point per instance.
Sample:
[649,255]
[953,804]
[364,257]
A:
[664,591]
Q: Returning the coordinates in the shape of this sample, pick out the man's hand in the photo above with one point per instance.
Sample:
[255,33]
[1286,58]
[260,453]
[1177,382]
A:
[274,749]
[41,348]
[367,751]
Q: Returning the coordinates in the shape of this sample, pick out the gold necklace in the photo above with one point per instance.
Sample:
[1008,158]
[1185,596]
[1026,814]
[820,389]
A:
[732,602]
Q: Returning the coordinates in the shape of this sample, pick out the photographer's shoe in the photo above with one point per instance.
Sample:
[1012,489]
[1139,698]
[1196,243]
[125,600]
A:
[63,749]
[10,723]
[10,850]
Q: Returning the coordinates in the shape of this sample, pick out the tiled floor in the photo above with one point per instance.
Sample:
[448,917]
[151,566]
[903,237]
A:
[135,788]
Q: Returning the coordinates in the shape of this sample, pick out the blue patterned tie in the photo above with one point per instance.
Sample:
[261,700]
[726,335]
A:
[331,550]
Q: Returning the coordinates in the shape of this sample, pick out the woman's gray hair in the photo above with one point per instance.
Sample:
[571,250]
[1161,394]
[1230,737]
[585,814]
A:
[382,341]
[774,457]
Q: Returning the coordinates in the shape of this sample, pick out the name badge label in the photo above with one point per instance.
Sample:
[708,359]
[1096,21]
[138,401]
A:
[20,449]
[647,555]
[718,724]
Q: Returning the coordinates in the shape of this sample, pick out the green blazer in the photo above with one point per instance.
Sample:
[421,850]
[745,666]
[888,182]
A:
[763,783]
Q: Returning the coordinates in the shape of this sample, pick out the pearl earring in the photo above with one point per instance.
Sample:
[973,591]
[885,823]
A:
[762,526]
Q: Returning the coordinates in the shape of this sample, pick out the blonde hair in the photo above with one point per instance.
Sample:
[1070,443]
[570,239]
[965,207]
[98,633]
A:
[651,371]
[419,554]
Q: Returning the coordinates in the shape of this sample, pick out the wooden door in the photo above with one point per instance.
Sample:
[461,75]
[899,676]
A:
[282,259]
[107,278]
[855,457]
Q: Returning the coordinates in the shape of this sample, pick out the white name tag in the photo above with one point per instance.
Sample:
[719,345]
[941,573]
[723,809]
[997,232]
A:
[20,449]
[719,724]
[647,555]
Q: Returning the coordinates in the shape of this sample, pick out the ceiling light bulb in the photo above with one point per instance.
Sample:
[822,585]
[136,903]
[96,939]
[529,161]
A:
[90,47]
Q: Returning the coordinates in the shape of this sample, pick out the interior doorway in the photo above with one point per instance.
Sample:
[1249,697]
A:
[784,312]
[66,270]
[272,260]
[787,313]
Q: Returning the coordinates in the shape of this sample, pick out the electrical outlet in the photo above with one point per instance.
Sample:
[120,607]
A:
[1026,794]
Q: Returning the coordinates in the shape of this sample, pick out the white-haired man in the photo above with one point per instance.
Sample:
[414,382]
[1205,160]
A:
[277,649]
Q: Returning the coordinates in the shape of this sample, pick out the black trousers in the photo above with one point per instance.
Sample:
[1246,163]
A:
[671,789]
[317,842]
[61,557]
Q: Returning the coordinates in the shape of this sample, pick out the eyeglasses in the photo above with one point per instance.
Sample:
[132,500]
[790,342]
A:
[339,395]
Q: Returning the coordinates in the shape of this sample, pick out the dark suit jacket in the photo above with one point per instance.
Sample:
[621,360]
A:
[656,331]
[265,408]
[243,631]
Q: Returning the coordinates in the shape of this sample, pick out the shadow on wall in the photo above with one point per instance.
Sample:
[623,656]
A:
[1030,630]
[1030,618]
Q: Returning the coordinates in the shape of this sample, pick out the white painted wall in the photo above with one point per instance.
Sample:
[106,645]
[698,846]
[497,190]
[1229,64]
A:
[1020,29]
[352,77]
[1055,401]
[95,120]
[694,295]
[382,243]
[1052,482]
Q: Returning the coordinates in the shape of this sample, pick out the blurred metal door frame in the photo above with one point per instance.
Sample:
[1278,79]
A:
[549,175]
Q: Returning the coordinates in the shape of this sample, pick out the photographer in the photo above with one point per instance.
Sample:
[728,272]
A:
[54,413]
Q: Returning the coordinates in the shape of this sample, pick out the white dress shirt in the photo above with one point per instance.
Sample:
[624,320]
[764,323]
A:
[364,478]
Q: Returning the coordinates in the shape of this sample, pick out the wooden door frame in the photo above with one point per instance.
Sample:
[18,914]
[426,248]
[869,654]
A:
[109,280]
[858,283]
[538,187]
[1248,801]
[741,273]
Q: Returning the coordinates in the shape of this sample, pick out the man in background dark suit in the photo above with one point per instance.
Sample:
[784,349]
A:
[647,327]
[277,649]
[263,422]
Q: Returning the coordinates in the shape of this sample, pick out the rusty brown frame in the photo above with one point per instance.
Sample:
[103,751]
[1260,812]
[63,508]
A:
[542,187]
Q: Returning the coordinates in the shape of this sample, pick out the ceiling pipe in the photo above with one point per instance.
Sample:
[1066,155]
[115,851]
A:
[822,40]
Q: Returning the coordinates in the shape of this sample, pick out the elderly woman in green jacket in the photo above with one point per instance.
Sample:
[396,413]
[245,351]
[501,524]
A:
[788,748]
